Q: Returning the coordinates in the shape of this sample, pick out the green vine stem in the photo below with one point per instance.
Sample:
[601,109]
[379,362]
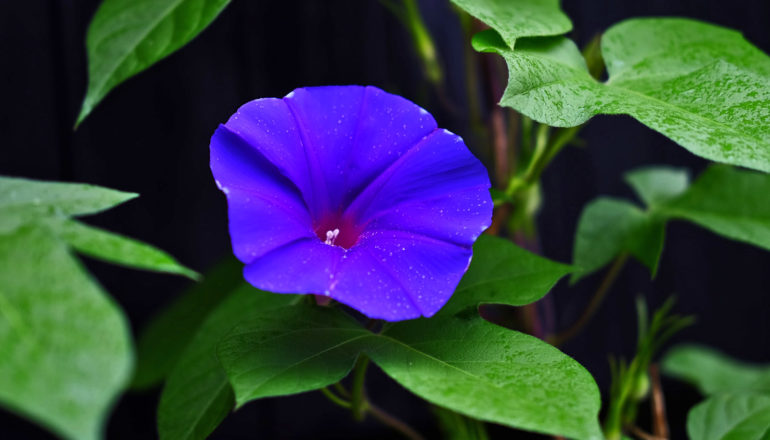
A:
[393,422]
[538,162]
[358,399]
[335,398]
[423,43]
[341,389]
[548,143]
[368,407]
[596,301]
[631,381]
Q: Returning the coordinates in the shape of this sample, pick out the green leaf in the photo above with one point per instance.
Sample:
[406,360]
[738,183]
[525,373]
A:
[66,348]
[23,201]
[163,340]
[627,45]
[514,19]
[713,372]
[504,273]
[730,417]
[703,86]
[290,350]
[49,204]
[197,395]
[730,202]
[467,365]
[610,227]
[544,80]
[489,41]
[128,36]
[117,249]
[491,373]
[658,184]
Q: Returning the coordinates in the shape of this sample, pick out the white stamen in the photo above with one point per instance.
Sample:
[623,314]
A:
[331,236]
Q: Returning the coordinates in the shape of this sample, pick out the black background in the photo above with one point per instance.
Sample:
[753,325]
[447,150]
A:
[151,134]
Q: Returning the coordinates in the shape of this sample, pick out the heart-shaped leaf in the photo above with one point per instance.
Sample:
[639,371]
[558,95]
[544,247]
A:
[491,373]
[703,86]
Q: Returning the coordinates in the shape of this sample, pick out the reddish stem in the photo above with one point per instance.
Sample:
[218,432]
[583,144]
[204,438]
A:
[658,406]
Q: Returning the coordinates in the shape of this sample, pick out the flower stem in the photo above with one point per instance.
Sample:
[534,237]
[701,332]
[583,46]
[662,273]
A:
[358,400]
[360,405]
[548,143]
[334,398]
[644,435]
[342,390]
[537,163]
[423,43]
[593,306]
[393,422]
[658,404]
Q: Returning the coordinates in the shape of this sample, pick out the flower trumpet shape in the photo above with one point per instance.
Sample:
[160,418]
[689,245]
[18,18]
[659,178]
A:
[352,193]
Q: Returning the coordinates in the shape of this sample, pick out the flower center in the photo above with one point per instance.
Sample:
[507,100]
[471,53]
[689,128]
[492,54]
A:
[336,231]
[331,236]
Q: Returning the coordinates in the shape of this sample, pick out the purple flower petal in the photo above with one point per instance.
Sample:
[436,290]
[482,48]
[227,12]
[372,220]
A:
[302,266]
[353,193]
[269,127]
[355,133]
[398,275]
[438,178]
[459,217]
[364,283]
[256,190]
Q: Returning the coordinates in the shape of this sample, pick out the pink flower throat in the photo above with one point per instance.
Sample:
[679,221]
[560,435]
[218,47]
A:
[338,231]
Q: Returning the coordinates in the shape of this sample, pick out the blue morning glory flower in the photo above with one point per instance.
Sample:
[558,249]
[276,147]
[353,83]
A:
[352,193]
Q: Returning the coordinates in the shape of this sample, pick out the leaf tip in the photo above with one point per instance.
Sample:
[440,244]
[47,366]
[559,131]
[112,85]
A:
[577,275]
[85,110]
[124,196]
[191,274]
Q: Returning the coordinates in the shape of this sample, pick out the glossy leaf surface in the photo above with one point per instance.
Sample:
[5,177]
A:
[491,373]
[514,19]
[289,351]
[467,365]
[504,273]
[730,202]
[703,86]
